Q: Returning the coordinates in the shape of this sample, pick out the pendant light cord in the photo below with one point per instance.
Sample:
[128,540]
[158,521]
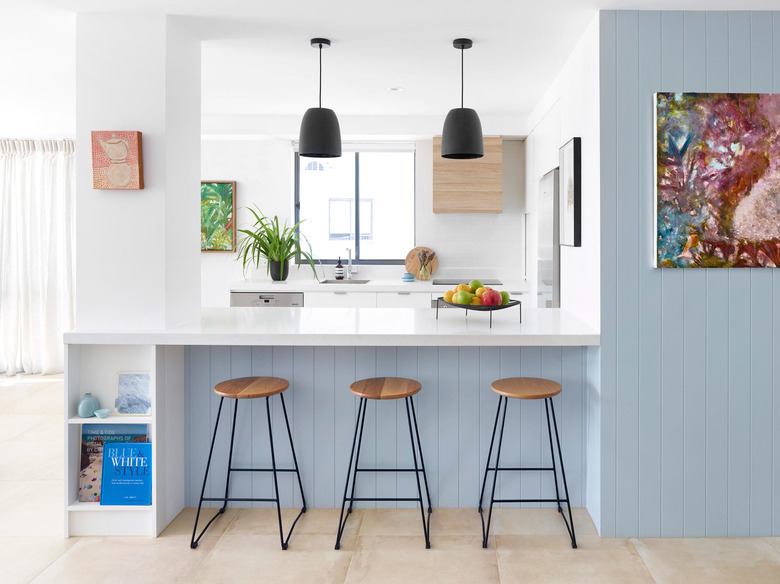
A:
[320,75]
[461,78]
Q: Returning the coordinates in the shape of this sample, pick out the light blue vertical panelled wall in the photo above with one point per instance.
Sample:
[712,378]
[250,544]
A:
[690,381]
[455,409]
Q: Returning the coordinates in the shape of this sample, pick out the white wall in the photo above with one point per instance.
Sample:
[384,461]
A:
[488,245]
[38,72]
[137,251]
[571,108]
[353,127]
[263,171]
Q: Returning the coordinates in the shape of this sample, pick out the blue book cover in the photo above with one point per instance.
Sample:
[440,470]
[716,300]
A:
[127,474]
[93,437]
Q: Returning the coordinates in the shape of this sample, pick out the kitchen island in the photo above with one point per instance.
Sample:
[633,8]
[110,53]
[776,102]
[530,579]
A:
[322,351]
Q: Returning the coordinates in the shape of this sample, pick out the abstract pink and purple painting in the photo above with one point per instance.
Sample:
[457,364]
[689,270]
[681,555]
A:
[718,180]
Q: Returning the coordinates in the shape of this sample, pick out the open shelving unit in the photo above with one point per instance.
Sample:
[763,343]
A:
[94,368]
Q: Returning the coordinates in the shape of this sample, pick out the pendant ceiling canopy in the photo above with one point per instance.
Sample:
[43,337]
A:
[461,136]
[320,135]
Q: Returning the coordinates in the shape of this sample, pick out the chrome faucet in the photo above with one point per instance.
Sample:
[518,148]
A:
[349,263]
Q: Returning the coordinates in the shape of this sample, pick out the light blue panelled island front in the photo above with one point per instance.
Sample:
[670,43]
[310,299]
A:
[321,352]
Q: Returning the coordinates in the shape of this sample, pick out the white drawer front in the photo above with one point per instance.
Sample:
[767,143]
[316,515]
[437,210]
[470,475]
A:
[403,300]
[339,299]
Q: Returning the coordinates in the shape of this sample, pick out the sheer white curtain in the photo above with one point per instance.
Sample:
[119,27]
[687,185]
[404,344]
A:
[37,194]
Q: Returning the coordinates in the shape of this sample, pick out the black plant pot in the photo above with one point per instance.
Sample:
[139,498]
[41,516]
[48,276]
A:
[280,270]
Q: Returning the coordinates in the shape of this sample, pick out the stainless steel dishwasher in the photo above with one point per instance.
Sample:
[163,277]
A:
[266,299]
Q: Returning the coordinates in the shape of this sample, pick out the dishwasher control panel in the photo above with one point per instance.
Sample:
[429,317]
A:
[266,299]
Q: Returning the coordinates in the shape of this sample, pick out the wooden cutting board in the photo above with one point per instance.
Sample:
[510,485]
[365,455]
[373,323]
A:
[413,264]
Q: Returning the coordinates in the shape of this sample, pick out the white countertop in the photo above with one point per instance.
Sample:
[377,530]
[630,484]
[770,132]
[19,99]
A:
[360,327]
[373,285]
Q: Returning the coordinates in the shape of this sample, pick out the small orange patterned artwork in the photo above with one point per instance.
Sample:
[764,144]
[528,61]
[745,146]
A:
[117,161]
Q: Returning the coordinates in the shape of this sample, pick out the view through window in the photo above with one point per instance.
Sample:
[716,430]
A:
[365,192]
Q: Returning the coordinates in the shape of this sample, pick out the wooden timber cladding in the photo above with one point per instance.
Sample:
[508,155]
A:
[470,185]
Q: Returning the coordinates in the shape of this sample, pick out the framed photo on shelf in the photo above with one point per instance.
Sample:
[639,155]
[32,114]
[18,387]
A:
[134,394]
[570,193]
[217,215]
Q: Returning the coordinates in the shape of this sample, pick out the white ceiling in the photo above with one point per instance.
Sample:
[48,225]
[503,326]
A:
[257,59]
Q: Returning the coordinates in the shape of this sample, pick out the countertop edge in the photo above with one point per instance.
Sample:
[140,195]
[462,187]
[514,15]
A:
[356,327]
[299,340]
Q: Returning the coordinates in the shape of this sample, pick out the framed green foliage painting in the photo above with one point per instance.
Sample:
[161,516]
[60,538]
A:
[217,216]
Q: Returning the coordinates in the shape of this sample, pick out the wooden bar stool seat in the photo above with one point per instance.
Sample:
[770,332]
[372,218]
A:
[386,388]
[528,388]
[250,388]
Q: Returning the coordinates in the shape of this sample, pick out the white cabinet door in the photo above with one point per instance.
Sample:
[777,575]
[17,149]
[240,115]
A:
[339,299]
[403,300]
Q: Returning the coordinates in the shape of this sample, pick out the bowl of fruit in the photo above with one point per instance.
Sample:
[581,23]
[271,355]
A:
[476,296]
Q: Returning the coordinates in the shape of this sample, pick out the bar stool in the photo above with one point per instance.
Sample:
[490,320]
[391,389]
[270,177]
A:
[250,388]
[526,388]
[385,388]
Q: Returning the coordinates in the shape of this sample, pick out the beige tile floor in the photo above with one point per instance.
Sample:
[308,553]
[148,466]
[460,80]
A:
[380,545]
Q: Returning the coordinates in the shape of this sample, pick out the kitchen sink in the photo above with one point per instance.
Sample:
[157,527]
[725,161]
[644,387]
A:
[345,281]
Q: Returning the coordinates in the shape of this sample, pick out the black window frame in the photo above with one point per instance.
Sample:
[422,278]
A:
[356,260]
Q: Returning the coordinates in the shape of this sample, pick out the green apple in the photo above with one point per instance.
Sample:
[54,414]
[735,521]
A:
[504,298]
[474,284]
[463,297]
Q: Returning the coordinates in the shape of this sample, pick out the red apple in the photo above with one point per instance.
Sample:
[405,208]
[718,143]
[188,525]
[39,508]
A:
[491,298]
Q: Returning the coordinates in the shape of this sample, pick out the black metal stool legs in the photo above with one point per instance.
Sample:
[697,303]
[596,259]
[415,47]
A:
[486,526]
[570,523]
[295,458]
[549,409]
[490,453]
[353,469]
[194,541]
[273,469]
[361,416]
[230,456]
[426,524]
[422,463]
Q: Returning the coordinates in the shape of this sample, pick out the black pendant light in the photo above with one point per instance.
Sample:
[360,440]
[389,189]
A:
[462,133]
[320,135]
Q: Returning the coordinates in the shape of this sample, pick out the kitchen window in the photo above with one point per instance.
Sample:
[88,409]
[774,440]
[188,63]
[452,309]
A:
[368,191]
[341,219]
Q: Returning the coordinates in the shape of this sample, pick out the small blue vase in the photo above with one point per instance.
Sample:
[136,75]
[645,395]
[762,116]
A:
[88,405]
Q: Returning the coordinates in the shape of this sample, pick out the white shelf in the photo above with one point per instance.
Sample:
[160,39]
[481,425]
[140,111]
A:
[93,369]
[111,420]
[86,506]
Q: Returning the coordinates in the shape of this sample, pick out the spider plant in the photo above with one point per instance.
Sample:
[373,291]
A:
[266,239]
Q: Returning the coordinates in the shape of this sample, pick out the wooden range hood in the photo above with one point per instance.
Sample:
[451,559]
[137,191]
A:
[468,186]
